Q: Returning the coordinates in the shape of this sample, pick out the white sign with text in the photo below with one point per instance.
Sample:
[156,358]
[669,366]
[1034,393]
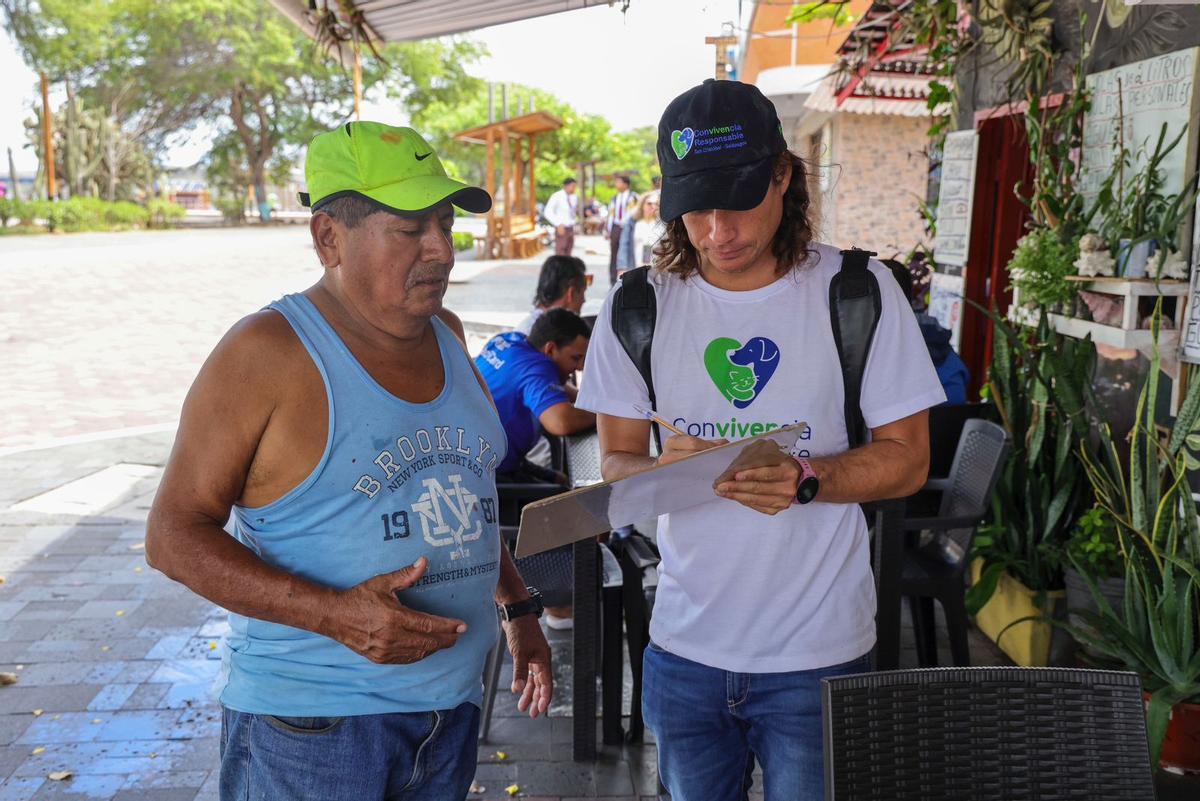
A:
[954,198]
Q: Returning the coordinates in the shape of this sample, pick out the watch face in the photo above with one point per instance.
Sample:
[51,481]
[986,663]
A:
[807,489]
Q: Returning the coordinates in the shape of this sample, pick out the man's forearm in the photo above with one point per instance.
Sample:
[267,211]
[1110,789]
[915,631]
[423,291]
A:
[877,470]
[214,565]
[618,465]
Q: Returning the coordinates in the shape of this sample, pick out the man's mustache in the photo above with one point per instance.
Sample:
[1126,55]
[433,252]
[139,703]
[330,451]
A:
[427,272]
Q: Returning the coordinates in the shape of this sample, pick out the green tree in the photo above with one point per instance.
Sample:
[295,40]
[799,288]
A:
[583,137]
[236,66]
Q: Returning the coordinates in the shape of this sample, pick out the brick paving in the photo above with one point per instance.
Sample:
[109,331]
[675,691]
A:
[106,331]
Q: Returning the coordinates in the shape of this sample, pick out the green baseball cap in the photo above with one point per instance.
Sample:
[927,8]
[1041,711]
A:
[392,167]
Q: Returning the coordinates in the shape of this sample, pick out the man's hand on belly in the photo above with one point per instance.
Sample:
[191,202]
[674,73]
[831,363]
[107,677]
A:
[369,620]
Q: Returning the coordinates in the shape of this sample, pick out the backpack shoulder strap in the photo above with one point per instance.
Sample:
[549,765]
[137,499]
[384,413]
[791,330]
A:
[634,311]
[854,310]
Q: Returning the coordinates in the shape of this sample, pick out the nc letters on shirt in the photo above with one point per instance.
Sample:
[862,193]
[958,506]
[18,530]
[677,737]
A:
[450,514]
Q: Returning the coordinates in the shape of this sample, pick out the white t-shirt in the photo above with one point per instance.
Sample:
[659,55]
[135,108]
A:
[739,590]
[526,325]
[646,234]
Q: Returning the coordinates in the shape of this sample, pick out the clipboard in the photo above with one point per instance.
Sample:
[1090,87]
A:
[588,511]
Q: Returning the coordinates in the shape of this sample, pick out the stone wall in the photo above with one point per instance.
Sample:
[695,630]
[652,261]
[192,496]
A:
[879,173]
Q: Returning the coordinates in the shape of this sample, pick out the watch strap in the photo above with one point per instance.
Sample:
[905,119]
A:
[808,485]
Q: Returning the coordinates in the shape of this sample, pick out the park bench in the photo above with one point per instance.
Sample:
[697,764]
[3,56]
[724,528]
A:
[525,240]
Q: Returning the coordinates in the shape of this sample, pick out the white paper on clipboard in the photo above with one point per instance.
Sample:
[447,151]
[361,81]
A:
[589,511]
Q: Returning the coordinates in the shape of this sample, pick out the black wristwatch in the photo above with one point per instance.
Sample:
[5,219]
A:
[530,606]
[807,489]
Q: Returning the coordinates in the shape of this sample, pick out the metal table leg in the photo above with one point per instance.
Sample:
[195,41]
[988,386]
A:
[887,521]
[583,649]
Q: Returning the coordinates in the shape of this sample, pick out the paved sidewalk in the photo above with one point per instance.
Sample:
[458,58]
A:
[105,332]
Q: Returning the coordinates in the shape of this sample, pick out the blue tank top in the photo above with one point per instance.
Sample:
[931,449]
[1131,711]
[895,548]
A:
[397,481]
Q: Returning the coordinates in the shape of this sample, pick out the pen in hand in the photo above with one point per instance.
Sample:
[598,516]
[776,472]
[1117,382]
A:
[651,415]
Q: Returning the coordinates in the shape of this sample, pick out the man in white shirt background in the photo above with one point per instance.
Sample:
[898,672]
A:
[618,211]
[560,212]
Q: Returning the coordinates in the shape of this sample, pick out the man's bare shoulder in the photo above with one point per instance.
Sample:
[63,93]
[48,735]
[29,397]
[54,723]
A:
[260,350]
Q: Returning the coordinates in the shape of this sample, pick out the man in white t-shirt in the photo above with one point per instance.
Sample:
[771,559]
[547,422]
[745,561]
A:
[560,212]
[759,596]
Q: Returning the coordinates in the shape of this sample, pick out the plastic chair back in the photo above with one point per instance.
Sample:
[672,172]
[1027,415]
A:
[971,734]
[979,459]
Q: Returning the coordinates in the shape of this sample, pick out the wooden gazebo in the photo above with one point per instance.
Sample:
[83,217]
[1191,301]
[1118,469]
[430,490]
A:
[512,230]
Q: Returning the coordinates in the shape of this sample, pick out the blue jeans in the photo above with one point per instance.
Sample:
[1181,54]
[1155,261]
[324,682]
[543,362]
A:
[394,757]
[708,722]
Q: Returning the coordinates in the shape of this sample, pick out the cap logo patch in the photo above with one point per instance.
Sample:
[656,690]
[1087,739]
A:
[681,142]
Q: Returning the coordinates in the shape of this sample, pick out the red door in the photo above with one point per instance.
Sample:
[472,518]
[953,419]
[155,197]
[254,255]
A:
[997,221]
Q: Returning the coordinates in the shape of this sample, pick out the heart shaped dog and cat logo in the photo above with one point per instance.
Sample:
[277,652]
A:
[681,141]
[741,372]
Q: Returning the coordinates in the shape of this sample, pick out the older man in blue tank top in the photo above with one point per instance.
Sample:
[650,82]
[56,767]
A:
[346,430]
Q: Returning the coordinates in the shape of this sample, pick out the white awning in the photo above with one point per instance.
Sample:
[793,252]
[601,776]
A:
[876,94]
[402,20]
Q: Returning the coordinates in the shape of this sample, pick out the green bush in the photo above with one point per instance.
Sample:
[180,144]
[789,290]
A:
[123,214]
[164,213]
[463,240]
[90,214]
[232,208]
[52,214]
[81,214]
[23,211]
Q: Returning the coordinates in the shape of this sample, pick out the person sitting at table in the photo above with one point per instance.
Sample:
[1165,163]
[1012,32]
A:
[563,284]
[528,378]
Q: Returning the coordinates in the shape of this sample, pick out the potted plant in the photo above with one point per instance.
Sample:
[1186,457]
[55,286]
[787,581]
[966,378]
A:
[1038,381]
[1094,551]
[1136,215]
[1039,268]
[1155,632]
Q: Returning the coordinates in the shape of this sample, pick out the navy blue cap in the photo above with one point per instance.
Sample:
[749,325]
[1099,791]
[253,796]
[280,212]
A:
[717,146]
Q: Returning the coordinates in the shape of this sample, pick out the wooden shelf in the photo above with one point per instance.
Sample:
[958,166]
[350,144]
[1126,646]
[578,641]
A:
[1132,287]
[1111,335]
[1138,338]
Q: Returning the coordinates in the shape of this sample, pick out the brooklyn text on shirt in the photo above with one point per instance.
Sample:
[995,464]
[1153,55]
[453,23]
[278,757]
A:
[420,451]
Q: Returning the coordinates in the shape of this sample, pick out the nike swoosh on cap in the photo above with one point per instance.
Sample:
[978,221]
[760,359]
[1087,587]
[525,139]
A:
[419,157]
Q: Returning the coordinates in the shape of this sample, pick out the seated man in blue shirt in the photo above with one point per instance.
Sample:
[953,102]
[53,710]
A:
[528,379]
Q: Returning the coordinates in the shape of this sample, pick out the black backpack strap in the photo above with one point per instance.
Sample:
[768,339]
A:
[634,311]
[854,310]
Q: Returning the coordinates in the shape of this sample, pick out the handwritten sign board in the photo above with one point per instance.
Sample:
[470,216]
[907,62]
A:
[954,198]
[1145,94]
[946,303]
[1189,341]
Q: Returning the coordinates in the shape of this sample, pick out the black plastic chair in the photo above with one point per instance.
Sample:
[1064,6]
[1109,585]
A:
[935,562]
[945,429]
[976,734]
